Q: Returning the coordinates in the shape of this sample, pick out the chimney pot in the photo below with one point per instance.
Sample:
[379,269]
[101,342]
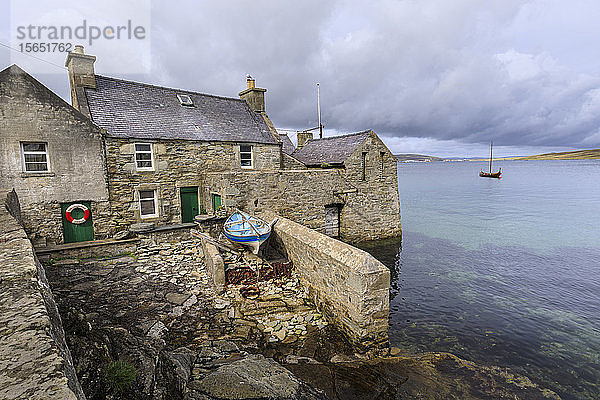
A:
[250,82]
[78,49]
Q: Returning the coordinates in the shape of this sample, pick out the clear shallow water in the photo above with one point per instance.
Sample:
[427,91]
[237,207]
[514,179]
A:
[501,272]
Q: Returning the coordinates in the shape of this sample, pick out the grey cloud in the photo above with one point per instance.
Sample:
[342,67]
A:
[425,69]
[460,71]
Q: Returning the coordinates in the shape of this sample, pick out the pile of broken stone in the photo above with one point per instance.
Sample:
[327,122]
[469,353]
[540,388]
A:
[286,323]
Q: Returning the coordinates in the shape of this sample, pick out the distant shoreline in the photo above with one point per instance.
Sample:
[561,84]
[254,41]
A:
[566,155]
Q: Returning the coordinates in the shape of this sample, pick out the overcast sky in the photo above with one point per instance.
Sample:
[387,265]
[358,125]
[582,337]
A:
[437,77]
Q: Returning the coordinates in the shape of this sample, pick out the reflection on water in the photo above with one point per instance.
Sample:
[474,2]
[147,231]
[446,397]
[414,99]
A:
[513,283]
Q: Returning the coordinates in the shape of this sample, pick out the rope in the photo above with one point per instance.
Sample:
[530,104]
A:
[32,56]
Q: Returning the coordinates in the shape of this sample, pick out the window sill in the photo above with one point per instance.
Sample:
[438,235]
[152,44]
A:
[37,174]
[247,167]
[145,170]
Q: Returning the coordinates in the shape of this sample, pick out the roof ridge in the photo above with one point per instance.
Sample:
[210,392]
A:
[15,68]
[12,66]
[342,136]
[168,88]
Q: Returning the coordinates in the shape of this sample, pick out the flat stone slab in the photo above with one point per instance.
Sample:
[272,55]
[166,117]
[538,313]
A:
[177,298]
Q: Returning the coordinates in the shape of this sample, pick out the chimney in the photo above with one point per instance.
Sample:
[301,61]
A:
[81,72]
[255,97]
[303,137]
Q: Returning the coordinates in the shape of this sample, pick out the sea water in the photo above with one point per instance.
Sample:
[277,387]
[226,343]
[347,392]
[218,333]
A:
[501,272]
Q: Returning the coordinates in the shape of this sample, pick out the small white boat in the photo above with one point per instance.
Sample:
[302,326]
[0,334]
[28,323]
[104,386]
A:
[247,230]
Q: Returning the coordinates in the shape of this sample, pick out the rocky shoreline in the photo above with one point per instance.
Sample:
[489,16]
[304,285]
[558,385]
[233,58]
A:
[150,325]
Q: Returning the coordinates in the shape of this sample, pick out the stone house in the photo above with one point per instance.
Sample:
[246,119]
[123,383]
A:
[172,154]
[346,187]
[160,141]
[287,160]
[53,157]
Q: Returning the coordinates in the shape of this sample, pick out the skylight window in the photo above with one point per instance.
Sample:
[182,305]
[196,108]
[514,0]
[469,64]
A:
[185,100]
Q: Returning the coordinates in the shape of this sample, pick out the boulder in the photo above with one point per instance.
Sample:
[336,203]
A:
[256,377]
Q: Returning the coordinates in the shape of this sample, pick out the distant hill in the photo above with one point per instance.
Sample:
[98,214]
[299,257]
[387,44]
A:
[566,155]
[416,158]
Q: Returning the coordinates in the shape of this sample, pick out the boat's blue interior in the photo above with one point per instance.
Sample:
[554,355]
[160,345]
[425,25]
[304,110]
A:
[237,225]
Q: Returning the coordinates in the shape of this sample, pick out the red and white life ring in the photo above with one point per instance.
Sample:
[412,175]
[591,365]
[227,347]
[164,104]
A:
[86,214]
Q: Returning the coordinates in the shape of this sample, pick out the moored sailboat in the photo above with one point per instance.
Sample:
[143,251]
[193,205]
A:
[497,174]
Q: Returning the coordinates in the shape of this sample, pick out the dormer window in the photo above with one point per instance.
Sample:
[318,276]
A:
[185,100]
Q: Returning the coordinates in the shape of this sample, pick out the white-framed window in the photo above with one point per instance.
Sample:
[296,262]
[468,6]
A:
[144,159]
[35,157]
[148,203]
[246,157]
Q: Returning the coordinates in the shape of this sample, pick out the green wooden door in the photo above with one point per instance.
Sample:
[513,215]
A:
[189,204]
[75,231]
[216,201]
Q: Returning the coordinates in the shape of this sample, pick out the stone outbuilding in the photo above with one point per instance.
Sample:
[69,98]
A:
[53,157]
[370,200]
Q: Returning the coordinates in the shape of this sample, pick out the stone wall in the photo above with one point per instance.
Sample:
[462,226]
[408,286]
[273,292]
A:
[167,234]
[370,210]
[34,358]
[30,112]
[177,164]
[348,285]
[300,195]
[88,250]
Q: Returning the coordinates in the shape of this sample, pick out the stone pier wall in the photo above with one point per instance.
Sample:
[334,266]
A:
[35,362]
[348,285]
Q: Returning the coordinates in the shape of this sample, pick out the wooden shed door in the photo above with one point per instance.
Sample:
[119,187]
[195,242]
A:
[216,202]
[189,204]
[75,232]
[332,221]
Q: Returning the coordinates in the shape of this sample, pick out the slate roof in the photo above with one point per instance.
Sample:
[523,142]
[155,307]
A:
[332,150]
[141,111]
[288,146]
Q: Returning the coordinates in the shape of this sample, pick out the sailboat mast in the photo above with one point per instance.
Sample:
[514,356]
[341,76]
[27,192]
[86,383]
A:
[319,112]
[491,147]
